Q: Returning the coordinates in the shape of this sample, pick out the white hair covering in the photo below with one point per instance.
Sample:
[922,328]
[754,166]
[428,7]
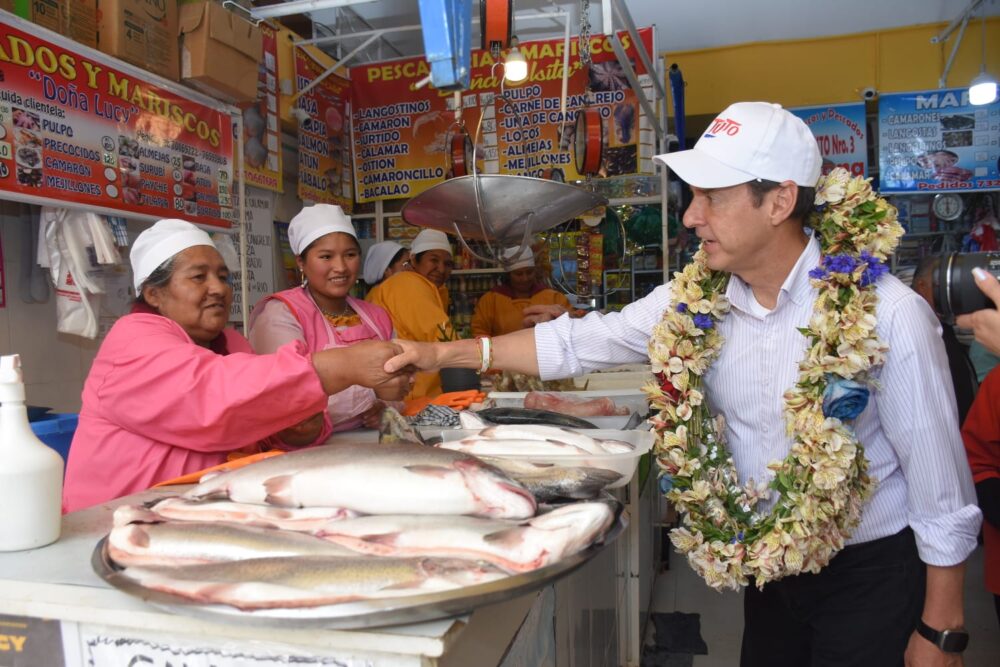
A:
[313,222]
[159,243]
[378,259]
[430,239]
[513,261]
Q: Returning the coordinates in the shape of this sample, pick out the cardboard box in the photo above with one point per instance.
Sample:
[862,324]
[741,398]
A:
[140,32]
[220,52]
[76,19]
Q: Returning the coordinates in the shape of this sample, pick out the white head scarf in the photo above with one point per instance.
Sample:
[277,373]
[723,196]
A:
[313,222]
[378,259]
[513,261]
[430,239]
[159,243]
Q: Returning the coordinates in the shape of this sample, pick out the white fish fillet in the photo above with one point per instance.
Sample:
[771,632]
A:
[553,433]
[393,478]
[495,447]
[189,542]
[513,546]
[287,518]
[310,581]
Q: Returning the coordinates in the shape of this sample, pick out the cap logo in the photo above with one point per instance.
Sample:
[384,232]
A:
[726,126]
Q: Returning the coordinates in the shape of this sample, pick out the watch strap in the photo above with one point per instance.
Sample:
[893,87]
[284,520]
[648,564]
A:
[949,641]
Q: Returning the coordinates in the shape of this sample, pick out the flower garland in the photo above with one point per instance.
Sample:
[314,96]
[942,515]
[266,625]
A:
[821,485]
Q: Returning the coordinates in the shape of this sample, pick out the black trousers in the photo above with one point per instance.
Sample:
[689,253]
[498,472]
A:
[859,611]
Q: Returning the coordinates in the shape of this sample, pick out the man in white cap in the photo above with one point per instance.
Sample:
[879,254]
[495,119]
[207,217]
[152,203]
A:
[172,390]
[417,300]
[752,174]
[501,310]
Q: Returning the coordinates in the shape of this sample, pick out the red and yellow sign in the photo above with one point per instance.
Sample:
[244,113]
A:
[261,133]
[78,126]
[402,133]
[324,156]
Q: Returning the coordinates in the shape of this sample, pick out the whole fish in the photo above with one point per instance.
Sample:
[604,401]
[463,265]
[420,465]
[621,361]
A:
[530,416]
[394,478]
[510,545]
[557,434]
[480,447]
[310,581]
[552,482]
[266,516]
[189,542]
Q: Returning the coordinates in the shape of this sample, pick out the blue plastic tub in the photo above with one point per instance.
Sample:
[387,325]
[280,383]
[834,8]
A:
[56,431]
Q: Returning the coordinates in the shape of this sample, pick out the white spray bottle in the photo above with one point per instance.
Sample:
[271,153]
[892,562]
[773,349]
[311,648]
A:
[31,473]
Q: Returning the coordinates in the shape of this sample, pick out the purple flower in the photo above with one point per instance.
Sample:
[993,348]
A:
[682,308]
[703,321]
[874,270]
[819,273]
[840,263]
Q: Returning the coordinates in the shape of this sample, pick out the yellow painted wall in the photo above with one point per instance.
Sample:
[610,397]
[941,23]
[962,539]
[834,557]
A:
[831,69]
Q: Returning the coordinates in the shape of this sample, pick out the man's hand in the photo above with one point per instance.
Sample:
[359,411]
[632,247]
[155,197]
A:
[922,653]
[541,313]
[304,432]
[985,324]
[419,356]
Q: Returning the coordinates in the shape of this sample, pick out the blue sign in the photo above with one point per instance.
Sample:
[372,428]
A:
[840,134]
[935,141]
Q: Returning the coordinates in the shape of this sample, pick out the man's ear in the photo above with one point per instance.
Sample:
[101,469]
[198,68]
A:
[783,201]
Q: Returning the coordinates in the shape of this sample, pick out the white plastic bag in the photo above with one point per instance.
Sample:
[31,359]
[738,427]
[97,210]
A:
[73,268]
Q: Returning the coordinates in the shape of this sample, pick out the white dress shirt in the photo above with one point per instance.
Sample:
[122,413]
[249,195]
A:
[909,428]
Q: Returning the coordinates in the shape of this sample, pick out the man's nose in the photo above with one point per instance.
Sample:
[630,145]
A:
[693,216]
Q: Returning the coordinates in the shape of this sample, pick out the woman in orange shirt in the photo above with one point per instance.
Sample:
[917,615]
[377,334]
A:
[501,310]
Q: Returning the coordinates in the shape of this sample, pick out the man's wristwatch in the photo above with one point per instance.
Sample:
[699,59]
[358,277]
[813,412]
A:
[949,641]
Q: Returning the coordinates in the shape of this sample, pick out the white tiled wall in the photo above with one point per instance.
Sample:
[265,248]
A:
[55,364]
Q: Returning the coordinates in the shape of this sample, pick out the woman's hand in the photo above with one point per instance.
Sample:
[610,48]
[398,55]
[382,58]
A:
[304,432]
[542,313]
[370,417]
[364,364]
[420,356]
[985,324]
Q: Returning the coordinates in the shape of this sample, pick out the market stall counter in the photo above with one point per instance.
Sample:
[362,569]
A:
[64,613]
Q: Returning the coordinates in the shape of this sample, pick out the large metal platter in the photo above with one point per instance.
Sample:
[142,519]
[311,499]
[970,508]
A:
[509,204]
[363,614]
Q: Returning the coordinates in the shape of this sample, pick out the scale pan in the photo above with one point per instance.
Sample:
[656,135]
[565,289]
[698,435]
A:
[509,203]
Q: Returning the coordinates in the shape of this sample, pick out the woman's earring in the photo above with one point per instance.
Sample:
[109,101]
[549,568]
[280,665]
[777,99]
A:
[305,281]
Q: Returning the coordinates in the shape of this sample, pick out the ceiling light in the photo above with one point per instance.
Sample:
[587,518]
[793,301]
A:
[983,89]
[515,67]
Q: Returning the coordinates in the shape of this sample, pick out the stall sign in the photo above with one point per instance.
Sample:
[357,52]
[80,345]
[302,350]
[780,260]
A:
[935,141]
[261,131]
[78,125]
[289,268]
[324,156]
[402,132]
[840,134]
[259,207]
[29,642]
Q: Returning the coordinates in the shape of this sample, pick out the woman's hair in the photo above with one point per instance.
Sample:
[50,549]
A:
[160,277]
[396,257]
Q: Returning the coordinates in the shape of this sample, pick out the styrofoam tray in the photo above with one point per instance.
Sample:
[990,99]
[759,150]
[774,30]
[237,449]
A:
[624,463]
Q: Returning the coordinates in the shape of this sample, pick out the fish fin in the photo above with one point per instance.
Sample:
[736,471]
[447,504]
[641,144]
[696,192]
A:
[508,537]
[388,539]
[430,470]
[279,490]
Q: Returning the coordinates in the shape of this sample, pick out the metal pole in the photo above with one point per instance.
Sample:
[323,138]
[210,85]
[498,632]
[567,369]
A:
[244,279]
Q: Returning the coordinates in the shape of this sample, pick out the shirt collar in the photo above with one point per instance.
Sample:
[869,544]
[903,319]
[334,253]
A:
[796,287]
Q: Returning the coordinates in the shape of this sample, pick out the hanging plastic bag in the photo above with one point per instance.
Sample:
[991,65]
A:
[74,270]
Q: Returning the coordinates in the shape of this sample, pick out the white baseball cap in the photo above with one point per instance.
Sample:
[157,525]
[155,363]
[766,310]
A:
[430,239]
[159,243]
[313,222]
[517,261]
[747,141]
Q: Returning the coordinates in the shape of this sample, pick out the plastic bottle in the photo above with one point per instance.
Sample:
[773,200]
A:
[31,475]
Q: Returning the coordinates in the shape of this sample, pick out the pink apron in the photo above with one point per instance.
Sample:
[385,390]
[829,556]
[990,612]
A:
[344,407]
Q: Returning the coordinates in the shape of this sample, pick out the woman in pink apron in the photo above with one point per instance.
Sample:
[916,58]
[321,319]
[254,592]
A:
[321,314]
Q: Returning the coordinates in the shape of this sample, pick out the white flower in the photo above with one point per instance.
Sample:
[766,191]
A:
[675,365]
[684,411]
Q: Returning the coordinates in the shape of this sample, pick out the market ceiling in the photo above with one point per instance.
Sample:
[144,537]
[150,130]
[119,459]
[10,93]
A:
[682,25]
